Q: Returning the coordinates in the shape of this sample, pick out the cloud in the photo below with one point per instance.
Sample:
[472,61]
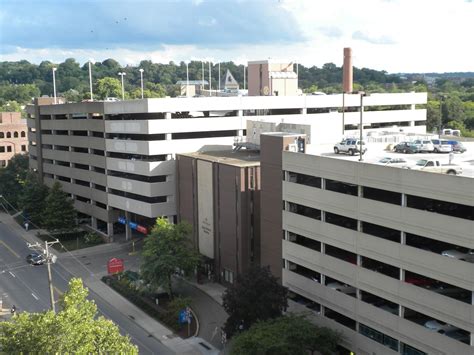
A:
[143,24]
[331,31]
[362,36]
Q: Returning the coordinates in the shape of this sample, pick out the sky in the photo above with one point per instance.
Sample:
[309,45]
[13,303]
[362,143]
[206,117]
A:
[392,35]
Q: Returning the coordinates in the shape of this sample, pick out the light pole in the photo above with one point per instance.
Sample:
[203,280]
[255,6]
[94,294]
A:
[141,79]
[187,79]
[219,68]
[210,85]
[244,76]
[362,95]
[123,89]
[54,84]
[90,79]
[202,75]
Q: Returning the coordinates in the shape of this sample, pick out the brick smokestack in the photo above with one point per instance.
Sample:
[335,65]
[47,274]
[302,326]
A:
[347,71]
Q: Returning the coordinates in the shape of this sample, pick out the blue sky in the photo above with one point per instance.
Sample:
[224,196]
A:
[393,35]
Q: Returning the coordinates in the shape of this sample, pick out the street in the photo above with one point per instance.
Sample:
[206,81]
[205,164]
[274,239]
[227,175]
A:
[26,286]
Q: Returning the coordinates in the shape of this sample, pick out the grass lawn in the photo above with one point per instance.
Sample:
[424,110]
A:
[71,242]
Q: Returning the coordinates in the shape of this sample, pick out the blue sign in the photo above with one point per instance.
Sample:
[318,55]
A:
[133,225]
[183,316]
[122,220]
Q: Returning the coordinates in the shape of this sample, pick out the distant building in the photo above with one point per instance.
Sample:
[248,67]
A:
[13,136]
[272,79]
[219,194]
[192,87]
[228,82]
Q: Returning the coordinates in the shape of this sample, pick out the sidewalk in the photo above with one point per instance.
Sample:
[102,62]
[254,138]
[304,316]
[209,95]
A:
[91,264]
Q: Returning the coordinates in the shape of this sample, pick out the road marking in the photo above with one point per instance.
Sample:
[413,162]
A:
[11,273]
[36,297]
[11,250]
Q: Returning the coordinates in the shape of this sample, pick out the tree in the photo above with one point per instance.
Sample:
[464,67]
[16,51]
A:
[59,213]
[167,249]
[12,179]
[109,87]
[452,109]
[287,335]
[255,296]
[433,115]
[33,198]
[10,106]
[74,329]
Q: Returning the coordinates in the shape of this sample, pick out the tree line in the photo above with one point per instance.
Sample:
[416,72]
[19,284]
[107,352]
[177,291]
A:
[450,101]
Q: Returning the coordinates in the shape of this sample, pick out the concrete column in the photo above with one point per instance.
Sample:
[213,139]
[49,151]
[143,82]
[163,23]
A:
[404,200]
[128,230]
[323,216]
[94,222]
[403,238]
[110,230]
[304,111]
[240,132]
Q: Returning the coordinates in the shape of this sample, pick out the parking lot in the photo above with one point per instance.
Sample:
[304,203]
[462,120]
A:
[377,151]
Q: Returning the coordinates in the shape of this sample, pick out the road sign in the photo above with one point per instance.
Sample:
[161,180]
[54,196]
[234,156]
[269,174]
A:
[115,265]
[183,318]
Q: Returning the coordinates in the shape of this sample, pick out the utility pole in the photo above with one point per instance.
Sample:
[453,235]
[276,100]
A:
[50,259]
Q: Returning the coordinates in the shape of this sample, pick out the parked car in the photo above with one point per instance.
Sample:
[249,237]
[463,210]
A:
[459,254]
[344,288]
[434,166]
[406,147]
[392,161]
[350,146]
[457,146]
[35,259]
[440,327]
[441,146]
[424,145]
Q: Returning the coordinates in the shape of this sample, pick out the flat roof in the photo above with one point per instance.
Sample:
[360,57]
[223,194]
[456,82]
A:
[240,158]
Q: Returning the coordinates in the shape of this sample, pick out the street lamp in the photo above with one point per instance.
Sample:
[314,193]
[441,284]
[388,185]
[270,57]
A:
[187,78]
[54,84]
[362,95]
[141,79]
[123,89]
[90,79]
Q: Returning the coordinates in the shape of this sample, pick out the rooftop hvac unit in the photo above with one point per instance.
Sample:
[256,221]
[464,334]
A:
[292,148]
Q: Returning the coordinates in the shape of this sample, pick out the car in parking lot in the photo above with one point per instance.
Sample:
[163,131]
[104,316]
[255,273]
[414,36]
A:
[392,161]
[441,146]
[350,146]
[440,327]
[344,288]
[406,147]
[35,259]
[457,147]
[459,254]
[424,145]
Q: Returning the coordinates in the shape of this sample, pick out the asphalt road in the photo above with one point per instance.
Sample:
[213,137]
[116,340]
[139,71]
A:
[26,286]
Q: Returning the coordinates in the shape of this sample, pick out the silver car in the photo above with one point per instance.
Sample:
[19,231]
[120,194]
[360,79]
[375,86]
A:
[460,255]
[441,146]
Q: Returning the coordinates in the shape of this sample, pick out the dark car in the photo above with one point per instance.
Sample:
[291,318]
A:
[406,147]
[35,259]
[457,146]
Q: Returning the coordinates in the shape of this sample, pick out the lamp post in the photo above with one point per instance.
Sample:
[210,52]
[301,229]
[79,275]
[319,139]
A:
[123,89]
[187,79]
[210,85]
[90,79]
[54,84]
[219,69]
[362,95]
[141,79]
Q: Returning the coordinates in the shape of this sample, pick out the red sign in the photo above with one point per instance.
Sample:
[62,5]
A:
[115,265]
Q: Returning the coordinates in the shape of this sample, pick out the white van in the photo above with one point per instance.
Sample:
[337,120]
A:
[447,132]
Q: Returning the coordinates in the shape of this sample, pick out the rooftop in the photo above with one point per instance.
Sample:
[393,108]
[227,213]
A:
[241,158]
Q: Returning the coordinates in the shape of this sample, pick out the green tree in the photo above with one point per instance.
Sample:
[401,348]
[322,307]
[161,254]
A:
[10,106]
[108,87]
[12,179]
[452,109]
[287,335]
[255,296]
[33,197]
[59,213]
[74,329]
[167,249]
[433,115]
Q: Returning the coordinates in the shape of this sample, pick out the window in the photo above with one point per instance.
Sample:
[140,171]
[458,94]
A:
[382,195]
[341,221]
[381,232]
[23,148]
[2,149]
[2,135]
[23,134]
[9,148]
[341,187]
[228,276]
[15,134]
[9,135]
[442,207]
[379,337]
[304,210]
[304,241]
[304,179]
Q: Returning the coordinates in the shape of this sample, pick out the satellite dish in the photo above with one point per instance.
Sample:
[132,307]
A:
[266,90]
